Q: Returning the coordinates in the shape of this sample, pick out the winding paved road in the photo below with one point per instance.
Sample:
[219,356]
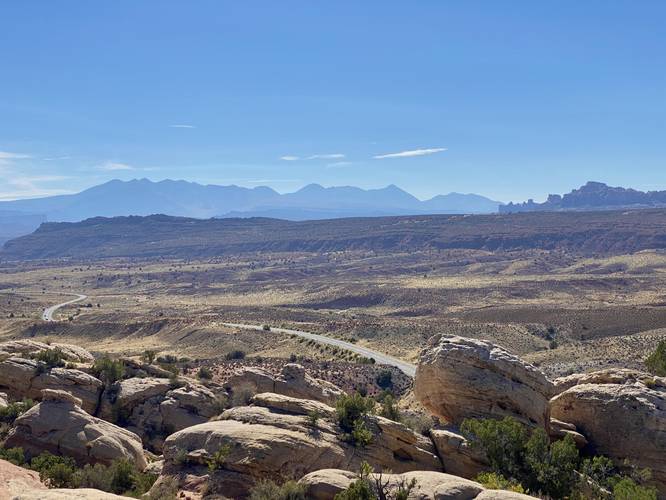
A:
[379,357]
[48,312]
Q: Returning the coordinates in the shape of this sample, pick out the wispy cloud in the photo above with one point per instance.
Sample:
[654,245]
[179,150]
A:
[112,166]
[40,178]
[180,125]
[6,157]
[26,187]
[57,158]
[410,153]
[339,164]
[332,156]
[32,193]
[325,156]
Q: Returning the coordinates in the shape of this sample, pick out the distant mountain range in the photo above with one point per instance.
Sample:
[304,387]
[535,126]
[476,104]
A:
[592,196]
[189,199]
[14,224]
[313,202]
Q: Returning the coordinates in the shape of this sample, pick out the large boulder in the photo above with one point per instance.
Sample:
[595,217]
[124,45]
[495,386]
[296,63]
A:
[325,484]
[153,408]
[460,378]
[275,438]
[622,413]
[59,425]
[66,494]
[457,455]
[15,479]
[294,381]
[29,348]
[22,378]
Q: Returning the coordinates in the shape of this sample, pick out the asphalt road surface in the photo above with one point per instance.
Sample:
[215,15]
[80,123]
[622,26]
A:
[48,312]
[379,357]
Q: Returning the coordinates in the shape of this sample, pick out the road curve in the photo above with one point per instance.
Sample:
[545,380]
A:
[379,357]
[48,312]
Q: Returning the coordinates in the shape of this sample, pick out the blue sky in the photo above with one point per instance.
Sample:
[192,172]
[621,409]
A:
[509,99]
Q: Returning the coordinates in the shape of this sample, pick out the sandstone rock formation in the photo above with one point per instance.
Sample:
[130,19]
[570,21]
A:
[4,400]
[293,382]
[28,348]
[60,426]
[460,378]
[67,494]
[559,430]
[456,454]
[622,413]
[325,484]
[153,409]
[275,439]
[20,378]
[15,479]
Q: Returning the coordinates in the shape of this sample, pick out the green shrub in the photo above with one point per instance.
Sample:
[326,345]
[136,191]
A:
[503,442]
[351,412]
[419,423]
[205,373]
[385,379]
[627,489]
[55,471]
[167,359]
[123,475]
[13,455]
[526,458]
[236,354]
[495,481]
[269,490]
[94,476]
[52,358]
[108,370]
[149,356]
[14,410]
[656,362]
[216,462]
[599,469]
[551,467]
[373,487]
[389,409]
[360,434]
[313,419]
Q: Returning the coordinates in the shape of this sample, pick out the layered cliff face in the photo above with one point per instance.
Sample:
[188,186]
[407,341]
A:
[592,196]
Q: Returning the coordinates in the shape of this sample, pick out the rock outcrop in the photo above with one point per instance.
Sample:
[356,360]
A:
[22,378]
[29,348]
[460,378]
[325,484]
[560,430]
[622,413]
[15,480]
[67,494]
[59,425]
[457,455]
[275,438]
[293,382]
[153,409]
